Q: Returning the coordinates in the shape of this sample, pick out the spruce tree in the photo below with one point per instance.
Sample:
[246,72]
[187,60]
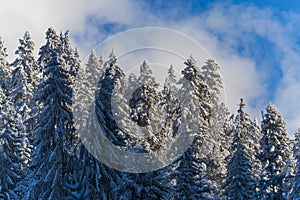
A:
[106,86]
[53,133]
[107,178]
[192,181]
[144,97]
[170,103]
[22,84]
[240,179]
[70,56]
[213,79]
[275,155]
[11,171]
[93,69]
[217,142]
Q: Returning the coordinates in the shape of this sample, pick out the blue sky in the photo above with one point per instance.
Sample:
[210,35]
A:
[256,43]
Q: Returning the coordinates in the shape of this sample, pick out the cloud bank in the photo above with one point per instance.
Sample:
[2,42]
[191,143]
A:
[255,47]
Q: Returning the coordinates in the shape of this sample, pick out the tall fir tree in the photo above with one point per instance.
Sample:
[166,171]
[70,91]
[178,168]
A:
[107,178]
[217,142]
[240,180]
[24,79]
[104,93]
[11,171]
[53,132]
[213,78]
[192,181]
[275,155]
[170,103]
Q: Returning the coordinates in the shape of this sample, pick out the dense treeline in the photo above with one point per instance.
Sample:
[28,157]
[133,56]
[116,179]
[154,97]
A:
[41,155]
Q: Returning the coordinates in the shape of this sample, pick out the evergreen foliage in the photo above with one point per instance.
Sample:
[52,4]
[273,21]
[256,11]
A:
[42,157]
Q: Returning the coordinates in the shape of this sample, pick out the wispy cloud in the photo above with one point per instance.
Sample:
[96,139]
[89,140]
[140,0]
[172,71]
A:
[255,47]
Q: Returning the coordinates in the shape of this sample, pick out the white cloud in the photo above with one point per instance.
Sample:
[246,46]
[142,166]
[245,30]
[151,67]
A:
[220,30]
[36,16]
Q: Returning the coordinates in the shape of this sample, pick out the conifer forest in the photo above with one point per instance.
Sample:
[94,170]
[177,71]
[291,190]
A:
[232,155]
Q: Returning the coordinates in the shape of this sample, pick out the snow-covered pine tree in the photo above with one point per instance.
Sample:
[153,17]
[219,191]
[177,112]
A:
[93,69]
[215,159]
[192,181]
[295,192]
[212,77]
[170,92]
[275,155]
[53,132]
[144,97]
[46,51]
[25,61]
[70,56]
[104,93]
[251,139]
[11,171]
[217,143]
[107,178]
[21,88]
[4,68]
[240,179]
[170,103]
[132,85]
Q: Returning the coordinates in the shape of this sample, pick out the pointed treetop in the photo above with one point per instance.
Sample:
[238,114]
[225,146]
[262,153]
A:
[241,109]
[101,61]
[171,79]
[271,107]
[27,36]
[171,70]
[190,61]
[211,63]
[112,57]
[26,45]
[273,115]
[145,68]
[272,110]
[191,72]
[3,51]
[65,38]
[51,31]
[93,54]
[242,106]
[52,37]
